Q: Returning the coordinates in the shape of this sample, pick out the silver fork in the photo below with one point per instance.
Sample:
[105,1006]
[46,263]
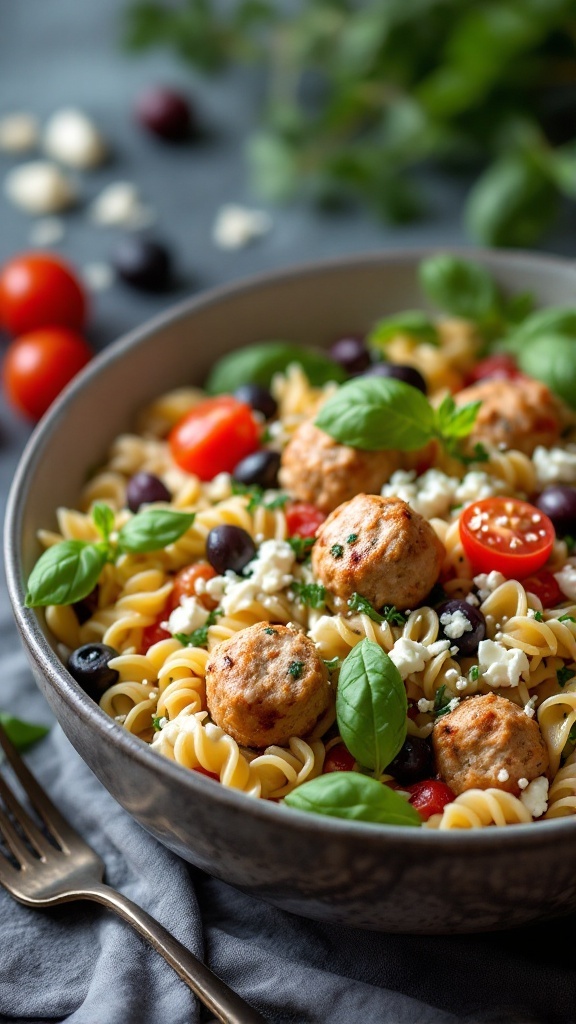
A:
[49,874]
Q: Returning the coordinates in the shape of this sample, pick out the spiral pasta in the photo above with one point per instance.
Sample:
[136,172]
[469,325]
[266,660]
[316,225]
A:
[478,808]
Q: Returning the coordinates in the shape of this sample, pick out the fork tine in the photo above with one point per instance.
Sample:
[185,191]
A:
[56,824]
[33,833]
[14,842]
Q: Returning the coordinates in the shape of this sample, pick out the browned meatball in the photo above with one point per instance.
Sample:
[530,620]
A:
[520,414]
[379,548]
[317,469]
[483,739]
[266,684]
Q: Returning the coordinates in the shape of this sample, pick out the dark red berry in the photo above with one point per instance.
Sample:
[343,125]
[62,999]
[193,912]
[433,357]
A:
[165,112]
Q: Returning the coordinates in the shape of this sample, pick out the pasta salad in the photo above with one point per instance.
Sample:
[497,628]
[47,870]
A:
[344,579]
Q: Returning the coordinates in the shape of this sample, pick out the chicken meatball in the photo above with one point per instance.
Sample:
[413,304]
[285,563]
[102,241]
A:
[520,413]
[488,742]
[266,684]
[315,468]
[379,548]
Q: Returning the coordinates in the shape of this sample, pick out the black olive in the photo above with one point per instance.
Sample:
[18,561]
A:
[413,761]
[229,547]
[143,263]
[143,488]
[351,353]
[558,502]
[258,398]
[89,666]
[260,468]
[467,643]
[407,374]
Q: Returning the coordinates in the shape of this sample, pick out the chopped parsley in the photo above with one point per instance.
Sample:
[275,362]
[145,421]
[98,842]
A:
[570,543]
[564,675]
[538,616]
[157,722]
[337,550]
[442,701]
[256,497]
[301,546]
[474,673]
[295,669]
[311,594]
[270,631]
[566,618]
[333,663]
[389,613]
[352,538]
[199,637]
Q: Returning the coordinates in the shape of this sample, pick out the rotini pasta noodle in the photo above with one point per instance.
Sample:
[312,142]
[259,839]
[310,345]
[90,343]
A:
[478,808]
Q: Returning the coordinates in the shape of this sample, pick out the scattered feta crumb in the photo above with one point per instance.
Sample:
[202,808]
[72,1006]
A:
[98,276]
[46,232]
[39,187]
[503,775]
[409,656]
[522,783]
[188,616]
[555,465]
[426,706]
[268,573]
[120,719]
[73,139]
[162,722]
[501,666]
[19,133]
[530,706]
[486,583]
[461,683]
[438,647]
[120,205]
[236,226]
[535,796]
[566,580]
[455,624]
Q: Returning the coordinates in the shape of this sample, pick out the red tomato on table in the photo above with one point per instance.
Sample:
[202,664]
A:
[39,364]
[506,535]
[40,290]
[214,436]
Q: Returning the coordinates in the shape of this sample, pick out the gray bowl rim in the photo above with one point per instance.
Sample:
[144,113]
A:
[320,826]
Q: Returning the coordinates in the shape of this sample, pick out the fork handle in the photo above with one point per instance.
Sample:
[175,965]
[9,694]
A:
[227,1005]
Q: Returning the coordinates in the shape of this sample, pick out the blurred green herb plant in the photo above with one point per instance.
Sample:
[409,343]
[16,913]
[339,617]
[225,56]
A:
[362,93]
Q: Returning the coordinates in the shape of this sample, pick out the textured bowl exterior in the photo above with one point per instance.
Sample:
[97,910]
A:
[377,877]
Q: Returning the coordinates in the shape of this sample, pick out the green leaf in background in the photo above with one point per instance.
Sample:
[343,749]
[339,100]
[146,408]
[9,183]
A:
[22,734]
[257,364]
[371,706]
[413,323]
[153,529]
[354,797]
[553,320]
[377,413]
[463,288]
[551,358]
[65,573]
[511,204]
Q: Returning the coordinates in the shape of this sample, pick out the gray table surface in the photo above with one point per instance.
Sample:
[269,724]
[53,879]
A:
[80,965]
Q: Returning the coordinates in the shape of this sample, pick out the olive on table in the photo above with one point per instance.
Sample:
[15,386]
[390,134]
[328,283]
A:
[413,762]
[229,547]
[143,263]
[258,398]
[259,468]
[89,665]
[558,502]
[462,624]
[407,374]
[165,112]
[351,353]
[143,489]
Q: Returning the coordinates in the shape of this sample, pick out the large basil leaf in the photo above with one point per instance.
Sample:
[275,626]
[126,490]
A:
[461,287]
[65,573]
[413,323]
[371,706]
[376,413]
[153,529]
[355,797]
[555,320]
[257,364]
[551,358]
[511,203]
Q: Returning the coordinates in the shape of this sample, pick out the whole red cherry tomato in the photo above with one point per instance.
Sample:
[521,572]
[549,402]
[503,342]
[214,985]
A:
[544,585]
[429,796]
[499,366]
[338,759]
[185,585]
[40,290]
[302,519]
[508,535]
[214,436]
[39,364]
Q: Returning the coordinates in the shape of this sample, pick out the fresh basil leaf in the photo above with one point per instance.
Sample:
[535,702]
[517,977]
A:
[65,573]
[461,287]
[376,413]
[22,734]
[554,320]
[103,517]
[511,204]
[371,706]
[153,529]
[413,323]
[552,359]
[456,421]
[355,797]
[257,364]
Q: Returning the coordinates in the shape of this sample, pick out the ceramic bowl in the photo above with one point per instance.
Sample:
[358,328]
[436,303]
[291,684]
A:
[370,876]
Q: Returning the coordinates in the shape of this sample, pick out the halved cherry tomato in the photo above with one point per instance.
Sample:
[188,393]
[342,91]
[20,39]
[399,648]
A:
[39,364]
[429,796]
[338,759]
[185,585]
[154,634]
[500,366]
[544,585]
[508,535]
[40,290]
[214,436]
[303,519]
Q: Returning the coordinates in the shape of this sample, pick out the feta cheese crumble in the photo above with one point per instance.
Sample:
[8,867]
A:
[535,797]
[409,656]
[188,616]
[566,580]
[236,226]
[39,187]
[501,666]
[268,573]
[455,624]
[487,583]
[72,138]
[555,465]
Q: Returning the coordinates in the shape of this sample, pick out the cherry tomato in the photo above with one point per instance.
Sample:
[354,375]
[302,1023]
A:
[185,585]
[39,364]
[500,366]
[508,535]
[338,759]
[39,290]
[214,436]
[204,771]
[429,796]
[544,585]
[303,519]
[154,634]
